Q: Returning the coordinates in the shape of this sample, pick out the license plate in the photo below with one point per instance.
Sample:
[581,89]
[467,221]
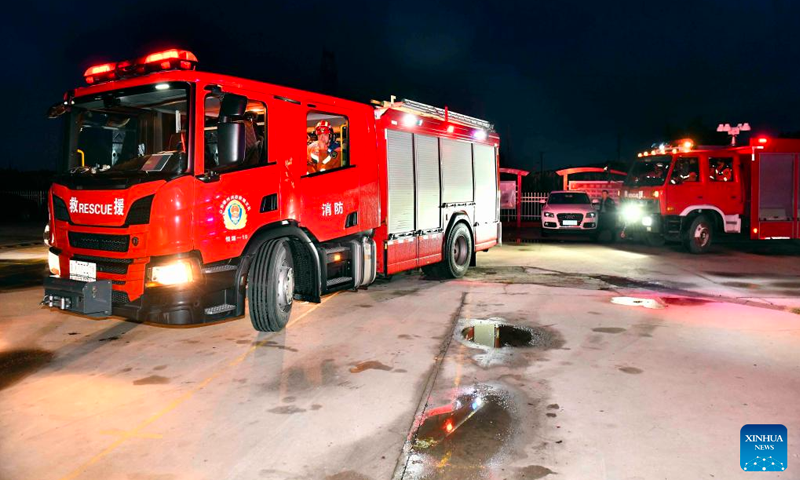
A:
[85,271]
[570,223]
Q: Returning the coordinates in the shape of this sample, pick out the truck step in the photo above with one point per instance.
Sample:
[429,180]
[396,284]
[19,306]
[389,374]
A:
[338,281]
[217,309]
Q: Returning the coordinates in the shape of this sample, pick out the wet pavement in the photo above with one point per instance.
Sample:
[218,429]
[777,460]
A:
[552,360]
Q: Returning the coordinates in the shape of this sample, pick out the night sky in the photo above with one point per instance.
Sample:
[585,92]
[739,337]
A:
[573,79]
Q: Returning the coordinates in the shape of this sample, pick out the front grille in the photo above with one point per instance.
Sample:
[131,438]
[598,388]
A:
[118,266]
[95,241]
[118,297]
[570,216]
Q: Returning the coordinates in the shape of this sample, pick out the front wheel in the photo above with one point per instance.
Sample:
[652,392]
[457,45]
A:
[270,286]
[699,235]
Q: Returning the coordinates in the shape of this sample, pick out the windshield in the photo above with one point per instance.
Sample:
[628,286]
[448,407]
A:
[649,171]
[138,131]
[568,198]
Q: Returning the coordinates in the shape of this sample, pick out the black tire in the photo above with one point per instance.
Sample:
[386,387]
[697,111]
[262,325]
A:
[655,240]
[457,255]
[270,286]
[699,235]
[457,252]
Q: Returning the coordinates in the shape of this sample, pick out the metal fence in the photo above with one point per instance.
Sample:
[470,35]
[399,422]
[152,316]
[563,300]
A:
[38,196]
[531,208]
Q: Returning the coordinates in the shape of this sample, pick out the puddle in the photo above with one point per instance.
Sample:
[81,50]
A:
[684,301]
[459,440]
[15,365]
[637,302]
[494,334]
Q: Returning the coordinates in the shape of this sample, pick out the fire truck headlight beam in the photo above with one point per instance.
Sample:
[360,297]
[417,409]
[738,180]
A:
[174,273]
[631,213]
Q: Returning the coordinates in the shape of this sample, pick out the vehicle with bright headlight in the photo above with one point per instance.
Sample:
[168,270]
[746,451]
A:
[183,193]
[569,211]
[687,193]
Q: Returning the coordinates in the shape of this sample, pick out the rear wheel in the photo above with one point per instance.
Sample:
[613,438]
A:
[270,286]
[457,255]
[698,237]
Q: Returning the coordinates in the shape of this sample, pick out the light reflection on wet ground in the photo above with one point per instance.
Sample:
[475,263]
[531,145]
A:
[465,438]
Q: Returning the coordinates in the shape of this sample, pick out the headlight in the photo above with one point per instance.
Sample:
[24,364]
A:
[647,221]
[548,214]
[174,273]
[46,235]
[631,213]
[591,215]
[53,264]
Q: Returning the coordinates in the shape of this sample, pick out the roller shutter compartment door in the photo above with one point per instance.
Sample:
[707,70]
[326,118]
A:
[400,170]
[426,156]
[485,184]
[456,171]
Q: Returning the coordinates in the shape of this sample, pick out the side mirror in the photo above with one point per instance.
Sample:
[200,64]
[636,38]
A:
[230,129]
[230,142]
[543,201]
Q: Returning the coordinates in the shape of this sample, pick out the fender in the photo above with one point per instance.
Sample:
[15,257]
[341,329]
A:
[308,284]
[460,216]
[731,223]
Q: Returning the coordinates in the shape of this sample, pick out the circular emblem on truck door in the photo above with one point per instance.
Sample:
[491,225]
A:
[234,215]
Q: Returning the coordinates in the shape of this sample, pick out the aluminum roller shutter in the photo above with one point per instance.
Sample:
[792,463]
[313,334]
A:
[426,158]
[456,171]
[400,171]
[485,184]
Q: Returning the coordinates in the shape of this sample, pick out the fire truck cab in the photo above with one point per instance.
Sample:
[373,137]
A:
[183,193]
[689,193]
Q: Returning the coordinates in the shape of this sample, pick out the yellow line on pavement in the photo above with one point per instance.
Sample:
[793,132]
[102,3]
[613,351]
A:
[137,431]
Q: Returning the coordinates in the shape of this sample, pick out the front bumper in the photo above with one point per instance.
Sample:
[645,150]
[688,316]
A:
[216,297]
[86,298]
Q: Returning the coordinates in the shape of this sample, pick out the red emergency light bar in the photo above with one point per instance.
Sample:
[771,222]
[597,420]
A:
[173,59]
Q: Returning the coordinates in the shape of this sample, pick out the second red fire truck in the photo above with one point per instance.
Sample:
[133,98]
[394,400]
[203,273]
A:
[185,193]
[688,193]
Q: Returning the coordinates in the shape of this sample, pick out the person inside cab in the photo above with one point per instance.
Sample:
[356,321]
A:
[325,153]
[722,172]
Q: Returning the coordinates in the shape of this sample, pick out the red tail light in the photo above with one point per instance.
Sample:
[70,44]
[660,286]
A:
[763,140]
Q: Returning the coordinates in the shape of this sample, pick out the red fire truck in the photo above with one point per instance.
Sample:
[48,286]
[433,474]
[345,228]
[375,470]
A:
[184,193]
[682,192]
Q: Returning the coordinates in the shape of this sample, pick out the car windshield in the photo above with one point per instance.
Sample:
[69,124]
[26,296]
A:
[649,171]
[138,131]
[568,198]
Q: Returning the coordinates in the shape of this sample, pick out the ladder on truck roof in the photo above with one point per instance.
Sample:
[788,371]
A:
[443,114]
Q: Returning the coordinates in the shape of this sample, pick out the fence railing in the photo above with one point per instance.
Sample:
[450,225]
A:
[531,208]
[38,196]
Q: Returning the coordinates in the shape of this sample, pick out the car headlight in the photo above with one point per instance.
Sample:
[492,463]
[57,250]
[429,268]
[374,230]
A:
[591,215]
[631,213]
[549,214]
[175,273]
[46,235]
[53,264]
[647,221]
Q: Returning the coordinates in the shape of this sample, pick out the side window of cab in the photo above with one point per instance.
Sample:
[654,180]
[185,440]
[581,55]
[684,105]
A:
[327,142]
[686,170]
[235,132]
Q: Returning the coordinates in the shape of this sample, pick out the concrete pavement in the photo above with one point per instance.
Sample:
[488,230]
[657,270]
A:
[608,391]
